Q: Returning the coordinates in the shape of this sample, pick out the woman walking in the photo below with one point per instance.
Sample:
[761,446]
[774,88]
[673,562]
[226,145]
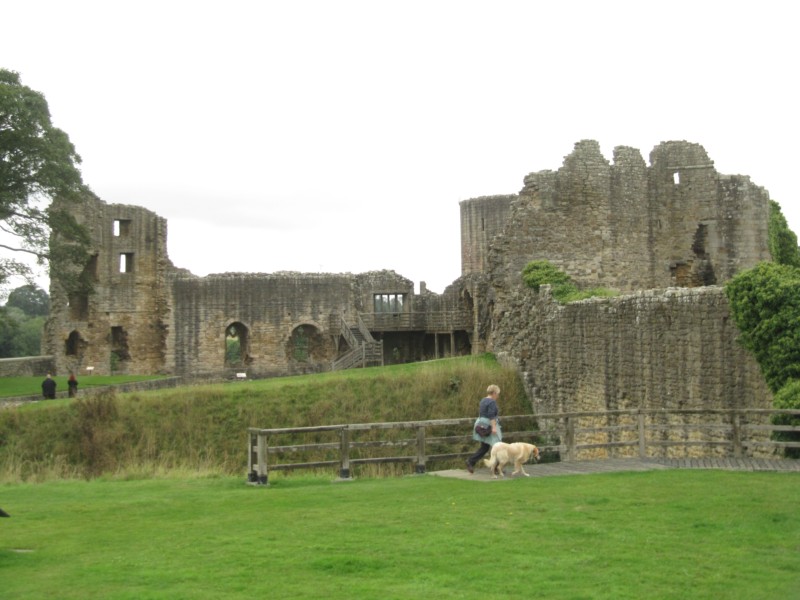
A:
[487,416]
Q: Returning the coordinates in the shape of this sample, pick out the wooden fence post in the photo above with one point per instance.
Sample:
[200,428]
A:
[262,453]
[344,470]
[569,424]
[737,435]
[421,459]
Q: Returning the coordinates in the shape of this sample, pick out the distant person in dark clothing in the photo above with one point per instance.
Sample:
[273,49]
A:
[73,385]
[49,388]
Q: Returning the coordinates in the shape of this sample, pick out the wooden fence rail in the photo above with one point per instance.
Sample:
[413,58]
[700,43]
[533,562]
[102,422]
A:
[562,436]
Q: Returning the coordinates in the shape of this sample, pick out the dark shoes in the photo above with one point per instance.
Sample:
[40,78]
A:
[470,468]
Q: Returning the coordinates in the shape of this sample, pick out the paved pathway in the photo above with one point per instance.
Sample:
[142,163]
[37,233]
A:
[582,467]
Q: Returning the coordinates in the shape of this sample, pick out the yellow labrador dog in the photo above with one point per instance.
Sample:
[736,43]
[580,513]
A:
[503,453]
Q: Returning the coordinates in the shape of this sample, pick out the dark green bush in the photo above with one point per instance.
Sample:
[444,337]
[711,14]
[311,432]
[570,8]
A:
[782,240]
[788,397]
[765,304]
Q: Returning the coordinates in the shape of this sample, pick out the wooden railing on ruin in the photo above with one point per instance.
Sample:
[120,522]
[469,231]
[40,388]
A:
[362,353]
[560,436]
[366,354]
[339,325]
[433,321]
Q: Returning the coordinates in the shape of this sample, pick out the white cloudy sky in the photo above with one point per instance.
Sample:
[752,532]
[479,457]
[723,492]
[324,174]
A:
[340,136]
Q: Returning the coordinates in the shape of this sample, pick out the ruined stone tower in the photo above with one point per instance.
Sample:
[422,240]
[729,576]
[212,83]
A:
[625,225]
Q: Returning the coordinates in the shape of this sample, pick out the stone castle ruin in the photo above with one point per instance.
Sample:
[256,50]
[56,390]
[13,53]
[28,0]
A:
[665,235]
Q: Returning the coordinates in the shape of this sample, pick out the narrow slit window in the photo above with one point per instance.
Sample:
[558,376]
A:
[126,262]
[676,177]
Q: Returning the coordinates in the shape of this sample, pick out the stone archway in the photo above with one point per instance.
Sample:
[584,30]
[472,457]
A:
[308,346]
[237,345]
[74,345]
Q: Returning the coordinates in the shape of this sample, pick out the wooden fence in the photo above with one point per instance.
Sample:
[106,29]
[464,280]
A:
[559,436]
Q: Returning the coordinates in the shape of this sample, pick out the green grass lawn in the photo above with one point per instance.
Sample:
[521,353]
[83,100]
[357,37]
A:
[663,534]
[32,386]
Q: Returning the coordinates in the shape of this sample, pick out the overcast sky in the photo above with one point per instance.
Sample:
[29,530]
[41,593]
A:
[340,136]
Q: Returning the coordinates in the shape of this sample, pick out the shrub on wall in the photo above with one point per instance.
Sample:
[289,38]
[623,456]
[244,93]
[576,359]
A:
[542,272]
[765,304]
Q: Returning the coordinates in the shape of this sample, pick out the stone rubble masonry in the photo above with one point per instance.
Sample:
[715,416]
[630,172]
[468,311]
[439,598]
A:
[656,349]
[624,226]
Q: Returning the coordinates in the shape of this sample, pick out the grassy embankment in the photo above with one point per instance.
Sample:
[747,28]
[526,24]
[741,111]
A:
[203,429]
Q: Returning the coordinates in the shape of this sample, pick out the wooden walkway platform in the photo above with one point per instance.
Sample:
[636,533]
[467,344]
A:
[584,467]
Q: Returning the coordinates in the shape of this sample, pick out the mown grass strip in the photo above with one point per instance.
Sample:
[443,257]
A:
[665,534]
[32,386]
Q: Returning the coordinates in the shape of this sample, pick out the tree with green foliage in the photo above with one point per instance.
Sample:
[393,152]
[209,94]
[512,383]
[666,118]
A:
[20,334]
[30,299]
[782,240]
[765,304]
[37,165]
[22,320]
[788,397]
[9,333]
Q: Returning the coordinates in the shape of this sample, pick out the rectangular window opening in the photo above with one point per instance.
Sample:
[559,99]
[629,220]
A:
[122,227]
[78,307]
[388,303]
[126,262]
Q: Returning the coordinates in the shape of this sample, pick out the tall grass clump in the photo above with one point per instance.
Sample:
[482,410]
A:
[203,429]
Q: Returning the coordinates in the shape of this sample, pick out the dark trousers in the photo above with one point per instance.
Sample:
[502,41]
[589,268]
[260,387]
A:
[473,460]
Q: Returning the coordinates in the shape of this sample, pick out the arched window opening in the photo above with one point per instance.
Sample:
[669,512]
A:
[74,344]
[308,345]
[300,343]
[236,345]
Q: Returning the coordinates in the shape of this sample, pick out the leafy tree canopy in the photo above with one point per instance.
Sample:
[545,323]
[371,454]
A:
[782,240]
[30,299]
[765,304]
[37,166]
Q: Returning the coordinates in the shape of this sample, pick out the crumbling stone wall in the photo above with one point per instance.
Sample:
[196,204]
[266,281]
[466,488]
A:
[481,220]
[287,317]
[657,349]
[625,225]
[121,325]
[674,348]
[26,366]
